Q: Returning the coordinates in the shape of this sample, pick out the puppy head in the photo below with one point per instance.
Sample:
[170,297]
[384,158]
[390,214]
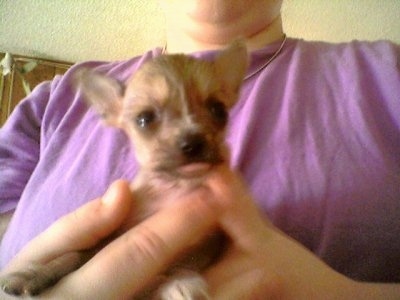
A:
[174,108]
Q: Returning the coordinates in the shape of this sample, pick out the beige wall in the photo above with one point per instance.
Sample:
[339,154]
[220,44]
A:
[76,30]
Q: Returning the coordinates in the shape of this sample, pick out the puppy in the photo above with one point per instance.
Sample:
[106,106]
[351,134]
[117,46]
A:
[174,109]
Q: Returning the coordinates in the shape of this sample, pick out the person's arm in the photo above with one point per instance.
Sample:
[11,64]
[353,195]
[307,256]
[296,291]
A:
[20,140]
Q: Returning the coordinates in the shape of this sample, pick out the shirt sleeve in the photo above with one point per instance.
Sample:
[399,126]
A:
[20,145]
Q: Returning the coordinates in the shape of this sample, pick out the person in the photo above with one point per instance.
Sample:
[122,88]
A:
[314,213]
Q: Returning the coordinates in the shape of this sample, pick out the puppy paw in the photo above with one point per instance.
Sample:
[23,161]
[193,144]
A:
[35,278]
[13,284]
[27,282]
[191,287]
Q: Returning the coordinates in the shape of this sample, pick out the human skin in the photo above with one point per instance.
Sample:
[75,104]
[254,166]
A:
[203,25]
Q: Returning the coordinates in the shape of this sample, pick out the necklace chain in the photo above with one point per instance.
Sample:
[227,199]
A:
[270,60]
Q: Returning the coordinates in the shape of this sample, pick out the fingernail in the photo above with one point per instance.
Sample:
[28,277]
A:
[110,195]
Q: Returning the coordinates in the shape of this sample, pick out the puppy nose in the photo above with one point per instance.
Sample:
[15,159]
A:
[192,145]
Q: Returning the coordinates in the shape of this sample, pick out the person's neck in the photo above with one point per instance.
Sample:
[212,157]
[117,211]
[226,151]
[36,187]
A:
[214,37]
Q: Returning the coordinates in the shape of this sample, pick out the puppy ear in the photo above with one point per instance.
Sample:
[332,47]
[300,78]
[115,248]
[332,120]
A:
[101,92]
[231,65]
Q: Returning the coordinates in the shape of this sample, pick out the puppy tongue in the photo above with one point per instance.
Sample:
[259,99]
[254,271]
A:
[194,169]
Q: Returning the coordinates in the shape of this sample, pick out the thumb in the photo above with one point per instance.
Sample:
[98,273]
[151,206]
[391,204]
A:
[239,218]
[82,228]
[254,284]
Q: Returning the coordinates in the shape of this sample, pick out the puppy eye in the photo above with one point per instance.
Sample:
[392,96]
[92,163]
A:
[145,118]
[217,110]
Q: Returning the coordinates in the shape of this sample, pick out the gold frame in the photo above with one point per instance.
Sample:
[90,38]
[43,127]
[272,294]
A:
[8,82]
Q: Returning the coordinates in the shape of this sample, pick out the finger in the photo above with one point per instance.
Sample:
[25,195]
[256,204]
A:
[239,275]
[133,260]
[231,265]
[82,228]
[254,284]
[240,218]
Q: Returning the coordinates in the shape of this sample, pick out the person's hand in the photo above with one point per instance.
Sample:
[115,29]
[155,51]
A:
[264,263]
[128,263]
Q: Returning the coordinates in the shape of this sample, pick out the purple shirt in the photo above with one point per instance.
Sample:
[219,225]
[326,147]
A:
[316,134]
